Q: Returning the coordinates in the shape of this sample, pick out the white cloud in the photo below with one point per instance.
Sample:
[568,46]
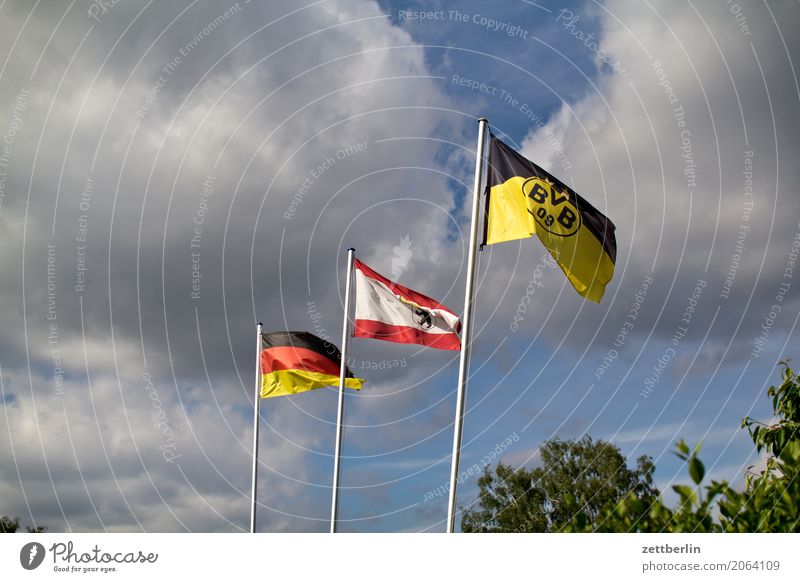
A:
[291,96]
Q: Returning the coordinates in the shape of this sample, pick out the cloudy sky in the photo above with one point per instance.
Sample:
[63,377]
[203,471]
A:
[171,173]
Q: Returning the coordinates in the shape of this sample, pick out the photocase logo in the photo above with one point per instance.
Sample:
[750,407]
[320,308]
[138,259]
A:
[31,555]
[402,254]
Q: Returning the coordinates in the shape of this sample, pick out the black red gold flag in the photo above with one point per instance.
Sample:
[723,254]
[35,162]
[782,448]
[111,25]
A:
[298,361]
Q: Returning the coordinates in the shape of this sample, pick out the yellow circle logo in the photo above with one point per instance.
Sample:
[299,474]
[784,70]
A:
[552,210]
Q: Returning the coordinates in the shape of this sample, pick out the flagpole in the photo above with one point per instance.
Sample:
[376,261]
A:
[342,375]
[256,408]
[466,330]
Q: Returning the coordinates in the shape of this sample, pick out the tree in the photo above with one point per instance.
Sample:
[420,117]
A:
[770,501]
[8,524]
[11,525]
[576,477]
[634,514]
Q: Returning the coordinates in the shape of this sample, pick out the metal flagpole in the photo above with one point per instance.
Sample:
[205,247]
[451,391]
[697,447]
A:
[256,408]
[466,329]
[342,374]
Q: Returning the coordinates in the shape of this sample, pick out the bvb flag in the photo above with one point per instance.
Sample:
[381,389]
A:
[523,200]
[298,361]
[391,312]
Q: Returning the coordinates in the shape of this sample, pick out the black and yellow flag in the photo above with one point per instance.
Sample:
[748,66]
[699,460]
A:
[523,200]
[297,361]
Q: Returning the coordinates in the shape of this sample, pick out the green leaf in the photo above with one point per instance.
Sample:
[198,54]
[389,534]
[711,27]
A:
[580,520]
[686,493]
[696,470]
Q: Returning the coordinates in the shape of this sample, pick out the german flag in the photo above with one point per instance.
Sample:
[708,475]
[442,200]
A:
[523,200]
[298,361]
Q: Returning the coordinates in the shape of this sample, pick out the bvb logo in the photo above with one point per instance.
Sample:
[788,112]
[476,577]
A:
[552,210]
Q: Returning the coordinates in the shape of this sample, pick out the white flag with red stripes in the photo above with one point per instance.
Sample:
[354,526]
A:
[391,312]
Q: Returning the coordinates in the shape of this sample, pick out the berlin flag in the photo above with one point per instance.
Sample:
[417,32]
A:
[391,312]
